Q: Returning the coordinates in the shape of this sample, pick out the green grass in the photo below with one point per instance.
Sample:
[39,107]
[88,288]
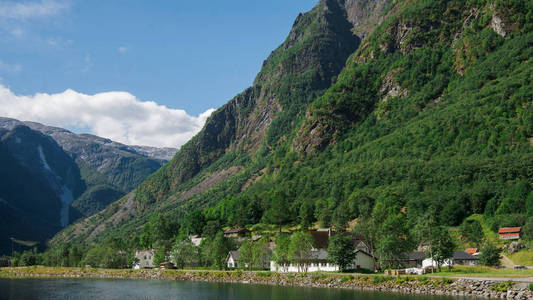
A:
[483,271]
[502,287]
[523,257]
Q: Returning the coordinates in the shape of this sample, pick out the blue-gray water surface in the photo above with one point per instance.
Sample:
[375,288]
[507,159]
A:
[23,289]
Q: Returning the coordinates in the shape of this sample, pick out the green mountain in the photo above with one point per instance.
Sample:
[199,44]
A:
[385,110]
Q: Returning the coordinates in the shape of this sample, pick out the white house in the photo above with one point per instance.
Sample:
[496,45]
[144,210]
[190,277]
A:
[459,258]
[196,240]
[318,260]
[232,260]
[145,259]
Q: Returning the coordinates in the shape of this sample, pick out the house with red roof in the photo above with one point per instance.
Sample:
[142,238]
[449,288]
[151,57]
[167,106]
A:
[509,233]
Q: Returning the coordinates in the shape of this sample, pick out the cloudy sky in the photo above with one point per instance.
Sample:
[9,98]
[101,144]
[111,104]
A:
[136,71]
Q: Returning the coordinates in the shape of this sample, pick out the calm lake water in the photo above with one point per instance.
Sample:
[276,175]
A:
[155,289]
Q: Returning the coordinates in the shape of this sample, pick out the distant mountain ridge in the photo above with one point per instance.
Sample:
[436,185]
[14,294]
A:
[65,175]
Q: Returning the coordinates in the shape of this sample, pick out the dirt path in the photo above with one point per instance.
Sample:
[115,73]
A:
[505,261]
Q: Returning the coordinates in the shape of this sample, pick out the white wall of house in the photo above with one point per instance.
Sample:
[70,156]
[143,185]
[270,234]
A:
[428,262]
[361,261]
[145,260]
[231,262]
[364,261]
[310,267]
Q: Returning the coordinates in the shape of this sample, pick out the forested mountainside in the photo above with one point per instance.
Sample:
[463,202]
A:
[51,177]
[391,112]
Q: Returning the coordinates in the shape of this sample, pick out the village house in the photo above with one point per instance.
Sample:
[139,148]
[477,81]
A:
[196,240]
[318,260]
[509,233]
[233,257]
[413,259]
[145,259]
[236,233]
[460,258]
[232,260]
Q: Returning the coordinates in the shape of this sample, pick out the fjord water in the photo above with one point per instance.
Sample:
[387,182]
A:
[24,289]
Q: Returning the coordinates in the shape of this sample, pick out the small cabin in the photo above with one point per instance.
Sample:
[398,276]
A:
[166,266]
[509,233]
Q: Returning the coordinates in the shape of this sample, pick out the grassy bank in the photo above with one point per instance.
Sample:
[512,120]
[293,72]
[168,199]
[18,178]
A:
[482,272]
[38,271]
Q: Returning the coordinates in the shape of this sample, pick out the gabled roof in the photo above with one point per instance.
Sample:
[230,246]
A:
[364,252]
[321,239]
[235,255]
[463,256]
[509,230]
[419,255]
[471,250]
[320,254]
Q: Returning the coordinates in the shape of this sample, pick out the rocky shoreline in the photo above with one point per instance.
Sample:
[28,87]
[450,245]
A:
[404,284]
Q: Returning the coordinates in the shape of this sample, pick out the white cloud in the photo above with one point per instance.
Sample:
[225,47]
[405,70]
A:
[123,49]
[28,10]
[119,116]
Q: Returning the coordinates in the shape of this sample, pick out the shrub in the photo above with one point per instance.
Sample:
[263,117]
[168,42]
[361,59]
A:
[490,255]
[422,279]
[379,279]
[502,286]
[446,280]
[264,274]
[531,286]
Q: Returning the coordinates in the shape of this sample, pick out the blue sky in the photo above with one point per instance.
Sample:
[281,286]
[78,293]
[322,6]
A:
[138,72]
[191,55]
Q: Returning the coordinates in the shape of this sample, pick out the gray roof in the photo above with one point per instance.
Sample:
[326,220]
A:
[235,254]
[463,256]
[419,255]
[319,254]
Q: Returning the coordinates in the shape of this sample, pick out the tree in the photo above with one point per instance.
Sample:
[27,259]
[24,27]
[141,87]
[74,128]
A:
[341,217]
[424,230]
[160,255]
[341,250]
[279,212]
[393,239]
[306,214]
[194,222]
[300,249]
[472,232]
[261,252]
[185,253]
[218,251]
[246,255]
[281,251]
[442,247]
[490,255]
[527,230]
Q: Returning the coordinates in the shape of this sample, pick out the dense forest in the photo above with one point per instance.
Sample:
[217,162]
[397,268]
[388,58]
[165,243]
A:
[431,118]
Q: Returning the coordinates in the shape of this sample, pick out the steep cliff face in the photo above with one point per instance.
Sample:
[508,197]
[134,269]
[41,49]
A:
[291,77]
[228,155]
